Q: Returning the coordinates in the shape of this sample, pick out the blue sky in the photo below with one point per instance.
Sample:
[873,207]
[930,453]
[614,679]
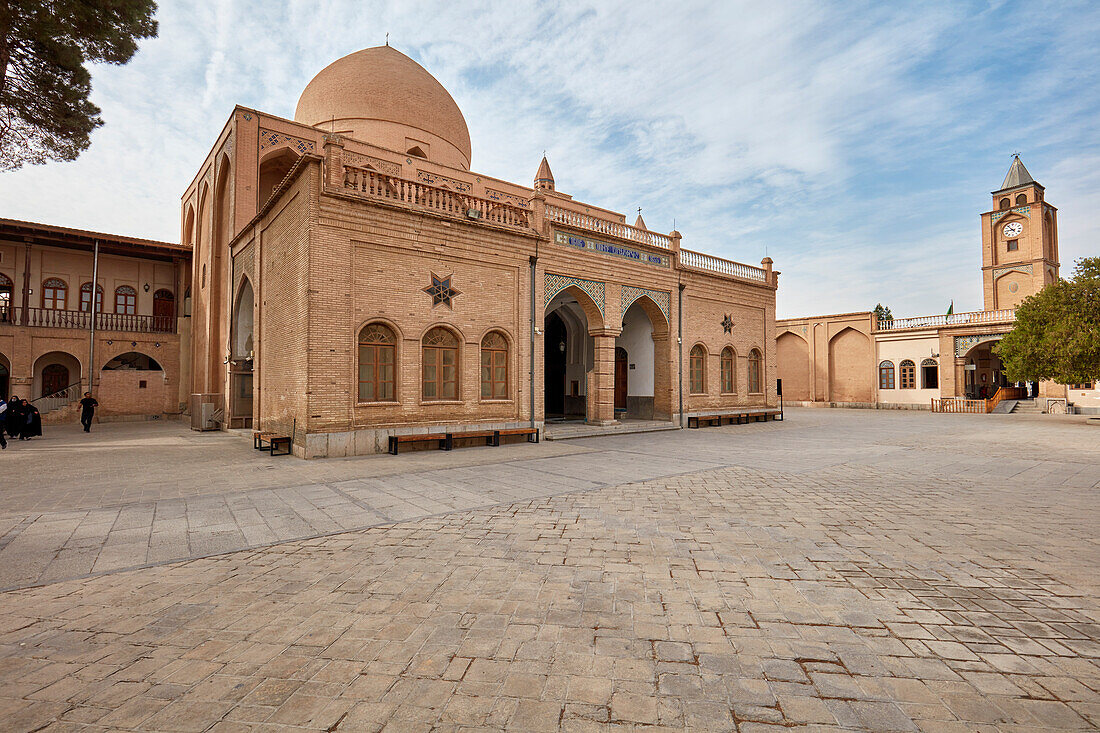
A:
[854,143]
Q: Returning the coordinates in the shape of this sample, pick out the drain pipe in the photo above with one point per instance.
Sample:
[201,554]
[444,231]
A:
[680,347]
[534,259]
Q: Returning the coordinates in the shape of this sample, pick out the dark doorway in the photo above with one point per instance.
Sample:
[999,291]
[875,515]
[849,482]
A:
[553,385]
[4,379]
[55,377]
[620,378]
[164,311]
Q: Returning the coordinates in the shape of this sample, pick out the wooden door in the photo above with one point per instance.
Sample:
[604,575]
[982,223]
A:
[55,378]
[621,370]
[164,311]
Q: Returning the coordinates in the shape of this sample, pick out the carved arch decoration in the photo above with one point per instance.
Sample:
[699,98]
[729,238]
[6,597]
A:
[629,294]
[554,284]
[272,139]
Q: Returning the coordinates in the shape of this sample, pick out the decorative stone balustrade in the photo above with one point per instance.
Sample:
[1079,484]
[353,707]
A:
[590,223]
[700,261]
[955,319]
[366,182]
[51,318]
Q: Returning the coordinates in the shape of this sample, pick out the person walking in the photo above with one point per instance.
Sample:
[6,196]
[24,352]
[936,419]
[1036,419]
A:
[32,422]
[3,420]
[87,411]
[15,417]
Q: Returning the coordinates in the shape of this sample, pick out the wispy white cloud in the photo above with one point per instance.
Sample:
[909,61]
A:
[855,143]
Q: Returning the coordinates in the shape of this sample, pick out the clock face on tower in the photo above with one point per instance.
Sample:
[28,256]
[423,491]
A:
[1013,229]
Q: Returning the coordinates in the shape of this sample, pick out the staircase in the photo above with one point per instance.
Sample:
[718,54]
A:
[1026,407]
[60,407]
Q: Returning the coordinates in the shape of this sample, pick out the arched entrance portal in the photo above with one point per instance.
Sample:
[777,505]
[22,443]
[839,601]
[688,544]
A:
[984,372]
[241,359]
[568,360]
[643,386]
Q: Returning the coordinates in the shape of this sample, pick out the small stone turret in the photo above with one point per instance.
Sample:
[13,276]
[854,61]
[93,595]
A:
[544,179]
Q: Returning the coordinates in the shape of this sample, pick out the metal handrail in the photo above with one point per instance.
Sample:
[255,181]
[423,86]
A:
[59,398]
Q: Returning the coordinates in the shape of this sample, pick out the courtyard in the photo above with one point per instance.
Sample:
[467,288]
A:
[839,570]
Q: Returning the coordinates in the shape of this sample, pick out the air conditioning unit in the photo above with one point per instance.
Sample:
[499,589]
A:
[206,411]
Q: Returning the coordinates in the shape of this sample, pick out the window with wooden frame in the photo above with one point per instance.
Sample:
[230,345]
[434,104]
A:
[439,380]
[86,298]
[377,360]
[54,294]
[697,370]
[756,379]
[729,364]
[494,366]
[125,300]
[908,374]
[886,375]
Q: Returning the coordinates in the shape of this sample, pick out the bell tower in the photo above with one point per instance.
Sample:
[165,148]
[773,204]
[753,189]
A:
[1019,241]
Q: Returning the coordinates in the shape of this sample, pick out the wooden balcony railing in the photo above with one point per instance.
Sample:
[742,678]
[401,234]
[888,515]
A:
[51,318]
[955,319]
[979,406]
[701,261]
[366,182]
[591,223]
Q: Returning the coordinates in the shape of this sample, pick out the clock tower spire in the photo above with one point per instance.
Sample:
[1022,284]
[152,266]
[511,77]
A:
[1019,240]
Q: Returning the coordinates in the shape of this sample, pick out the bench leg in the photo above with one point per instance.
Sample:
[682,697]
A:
[393,445]
[533,438]
[495,439]
[447,443]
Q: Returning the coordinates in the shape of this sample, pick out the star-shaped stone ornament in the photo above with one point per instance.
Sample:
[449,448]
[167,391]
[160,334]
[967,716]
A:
[727,324]
[441,291]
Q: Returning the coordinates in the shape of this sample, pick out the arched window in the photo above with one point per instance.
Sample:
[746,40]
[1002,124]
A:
[86,298]
[930,374]
[886,375]
[1021,199]
[440,376]
[494,367]
[755,379]
[125,300]
[697,370]
[54,292]
[377,357]
[729,380]
[1005,203]
[908,376]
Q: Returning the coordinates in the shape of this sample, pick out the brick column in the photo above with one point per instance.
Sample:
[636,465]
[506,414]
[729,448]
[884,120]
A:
[334,161]
[601,382]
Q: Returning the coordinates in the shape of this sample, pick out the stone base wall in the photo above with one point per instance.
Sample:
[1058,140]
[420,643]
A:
[371,441]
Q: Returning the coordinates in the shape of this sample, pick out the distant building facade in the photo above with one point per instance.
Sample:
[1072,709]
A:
[938,362]
[354,279]
[128,345]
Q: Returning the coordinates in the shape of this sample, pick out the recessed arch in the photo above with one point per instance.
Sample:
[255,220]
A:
[656,316]
[697,369]
[1005,204]
[592,312]
[792,355]
[274,167]
[851,364]
[1021,199]
[441,359]
[132,361]
[189,226]
[53,371]
[243,319]
[378,346]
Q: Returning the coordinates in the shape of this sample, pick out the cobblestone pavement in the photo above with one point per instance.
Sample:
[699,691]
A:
[843,570]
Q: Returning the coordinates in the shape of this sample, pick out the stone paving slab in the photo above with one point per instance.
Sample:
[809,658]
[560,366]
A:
[853,597]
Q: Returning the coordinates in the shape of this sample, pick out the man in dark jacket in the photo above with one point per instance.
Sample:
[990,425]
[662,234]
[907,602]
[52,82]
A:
[87,411]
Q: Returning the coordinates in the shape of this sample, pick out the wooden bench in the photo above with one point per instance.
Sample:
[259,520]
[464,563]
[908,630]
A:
[731,418]
[271,442]
[446,440]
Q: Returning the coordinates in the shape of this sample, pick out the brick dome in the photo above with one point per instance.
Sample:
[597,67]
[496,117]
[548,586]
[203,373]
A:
[384,97]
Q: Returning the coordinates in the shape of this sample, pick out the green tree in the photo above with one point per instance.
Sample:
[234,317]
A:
[1057,331]
[45,113]
[882,313]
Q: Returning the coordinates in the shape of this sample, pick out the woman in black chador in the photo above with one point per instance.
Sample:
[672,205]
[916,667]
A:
[15,416]
[32,422]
